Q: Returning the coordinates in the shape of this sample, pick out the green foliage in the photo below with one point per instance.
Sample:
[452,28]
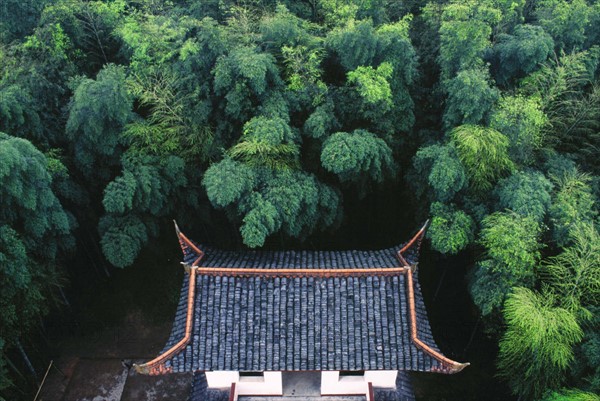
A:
[99,110]
[35,231]
[558,79]
[153,40]
[356,155]
[372,84]
[570,98]
[304,72]
[17,113]
[527,193]
[523,122]
[321,122]
[451,229]
[267,142]
[570,395]
[489,286]
[520,53]
[134,200]
[484,154]
[284,29]
[227,181]
[18,18]
[337,12]
[565,20]
[122,238]
[396,48]
[465,31]
[169,128]
[586,367]
[21,299]
[572,205]
[355,44]
[28,201]
[268,200]
[536,348]
[511,241]
[445,173]
[89,25]
[242,76]
[576,128]
[574,274]
[512,252]
[471,96]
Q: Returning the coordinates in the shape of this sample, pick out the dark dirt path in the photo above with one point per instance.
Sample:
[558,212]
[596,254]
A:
[89,367]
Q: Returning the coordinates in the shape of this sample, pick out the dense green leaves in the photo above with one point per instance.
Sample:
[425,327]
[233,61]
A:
[527,193]
[574,274]
[523,122]
[35,231]
[268,200]
[28,201]
[484,154]
[445,173]
[566,21]
[358,154]
[354,44]
[243,77]
[465,31]
[122,239]
[512,252]
[482,115]
[94,126]
[227,181]
[372,84]
[570,395]
[520,53]
[573,204]
[451,229]
[470,97]
[511,242]
[536,348]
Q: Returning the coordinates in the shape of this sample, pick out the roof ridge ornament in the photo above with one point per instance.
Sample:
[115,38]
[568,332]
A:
[416,239]
[187,246]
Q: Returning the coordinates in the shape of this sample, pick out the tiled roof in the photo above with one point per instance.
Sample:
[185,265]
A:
[294,311]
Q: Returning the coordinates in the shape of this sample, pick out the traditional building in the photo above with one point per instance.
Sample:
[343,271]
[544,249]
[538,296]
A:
[357,317]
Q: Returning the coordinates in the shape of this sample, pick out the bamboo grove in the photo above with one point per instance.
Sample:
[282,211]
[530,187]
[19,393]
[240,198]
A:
[263,120]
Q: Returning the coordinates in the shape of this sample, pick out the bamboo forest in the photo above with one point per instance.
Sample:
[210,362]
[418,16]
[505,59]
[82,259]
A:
[307,125]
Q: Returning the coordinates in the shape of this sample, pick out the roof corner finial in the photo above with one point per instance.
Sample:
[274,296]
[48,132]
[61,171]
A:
[418,237]
[177,230]
[458,367]
[141,369]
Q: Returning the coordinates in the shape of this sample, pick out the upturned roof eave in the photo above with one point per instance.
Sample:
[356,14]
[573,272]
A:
[157,365]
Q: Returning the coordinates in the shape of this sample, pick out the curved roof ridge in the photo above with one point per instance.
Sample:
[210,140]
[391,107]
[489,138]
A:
[192,253]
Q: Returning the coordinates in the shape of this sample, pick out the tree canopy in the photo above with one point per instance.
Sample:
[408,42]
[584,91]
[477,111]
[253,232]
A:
[306,124]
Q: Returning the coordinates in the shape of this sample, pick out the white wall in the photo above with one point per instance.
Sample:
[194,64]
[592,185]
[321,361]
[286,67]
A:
[382,378]
[268,384]
[334,384]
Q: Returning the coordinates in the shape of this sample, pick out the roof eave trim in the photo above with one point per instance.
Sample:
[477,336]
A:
[448,365]
[157,365]
[418,237]
[185,242]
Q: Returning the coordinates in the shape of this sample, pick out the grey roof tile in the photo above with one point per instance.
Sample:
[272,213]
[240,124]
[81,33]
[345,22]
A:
[301,323]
